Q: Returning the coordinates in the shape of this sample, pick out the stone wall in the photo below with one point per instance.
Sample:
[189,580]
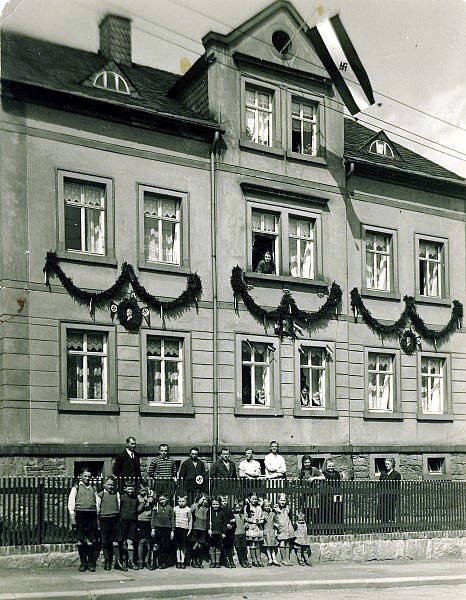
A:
[33,466]
[410,466]
[458,466]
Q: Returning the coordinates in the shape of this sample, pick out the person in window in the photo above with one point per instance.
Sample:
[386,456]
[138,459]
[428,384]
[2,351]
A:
[266,265]
[305,396]
[260,397]
[389,497]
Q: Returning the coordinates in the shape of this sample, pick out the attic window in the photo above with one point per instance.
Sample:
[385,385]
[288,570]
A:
[381,148]
[109,80]
[281,42]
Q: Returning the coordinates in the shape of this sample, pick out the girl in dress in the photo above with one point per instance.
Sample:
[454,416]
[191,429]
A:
[286,534]
[302,542]
[270,533]
[254,532]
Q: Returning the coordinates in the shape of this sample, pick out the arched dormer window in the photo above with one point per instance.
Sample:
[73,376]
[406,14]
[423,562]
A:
[382,148]
[109,80]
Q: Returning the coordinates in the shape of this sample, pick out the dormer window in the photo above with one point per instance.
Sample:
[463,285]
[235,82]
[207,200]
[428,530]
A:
[109,80]
[381,148]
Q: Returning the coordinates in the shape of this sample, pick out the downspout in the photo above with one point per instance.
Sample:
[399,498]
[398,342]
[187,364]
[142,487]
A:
[349,170]
[213,232]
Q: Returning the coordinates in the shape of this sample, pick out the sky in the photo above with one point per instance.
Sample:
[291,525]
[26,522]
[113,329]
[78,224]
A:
[412,50]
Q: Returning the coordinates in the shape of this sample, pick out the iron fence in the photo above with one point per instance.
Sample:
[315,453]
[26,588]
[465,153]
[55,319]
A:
[33,510]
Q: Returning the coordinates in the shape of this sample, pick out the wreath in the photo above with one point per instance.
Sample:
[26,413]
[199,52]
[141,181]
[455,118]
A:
[129,314]
[409,341]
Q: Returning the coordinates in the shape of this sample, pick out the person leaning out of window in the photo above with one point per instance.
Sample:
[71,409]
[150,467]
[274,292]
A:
[266,265]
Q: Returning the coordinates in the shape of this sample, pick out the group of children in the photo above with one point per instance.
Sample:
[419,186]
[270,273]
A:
[139,530]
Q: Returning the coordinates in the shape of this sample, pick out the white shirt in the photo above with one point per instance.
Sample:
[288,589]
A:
[130,453]
[274,466]
[249,469]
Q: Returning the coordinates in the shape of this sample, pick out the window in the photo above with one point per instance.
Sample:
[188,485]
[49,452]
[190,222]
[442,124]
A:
[109,80]
[432,385]
[313,378]
[166,373]
[259,115]
[257,376]
[164,370]
[382,148]
[85,205]
[431,268]
[381,382]
[256,373]
[162,215]
[378,260]
[265,236]
[281,42]
[377,464]
[437,466]
[301,247]
[87,359]
[95,467]
[304,127]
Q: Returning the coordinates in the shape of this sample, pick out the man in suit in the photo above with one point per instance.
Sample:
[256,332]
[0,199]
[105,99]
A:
[127,464]
[223,469]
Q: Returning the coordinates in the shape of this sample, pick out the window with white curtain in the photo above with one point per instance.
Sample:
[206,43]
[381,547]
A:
[381,382]
[432,385]
[431,272]
[259,115]
[85,205]
[256,365]
[378,260]
[313,377]
[162,217]
[87,364]
[164,370]
[304,126]
[301,247]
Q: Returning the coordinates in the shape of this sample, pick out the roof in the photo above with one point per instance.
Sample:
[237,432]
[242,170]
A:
[64,69]
[357,137]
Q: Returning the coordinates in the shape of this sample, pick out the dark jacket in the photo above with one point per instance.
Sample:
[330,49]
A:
[217,521]
[126,467]
[219,470]
[189,471]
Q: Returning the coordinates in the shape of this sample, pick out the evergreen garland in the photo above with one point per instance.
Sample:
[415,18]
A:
[395,330]
[287,310]
[117,291]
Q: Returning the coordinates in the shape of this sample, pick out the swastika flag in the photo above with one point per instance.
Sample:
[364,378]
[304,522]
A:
[337,53]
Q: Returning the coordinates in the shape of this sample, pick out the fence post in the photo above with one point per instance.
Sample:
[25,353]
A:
[41,508]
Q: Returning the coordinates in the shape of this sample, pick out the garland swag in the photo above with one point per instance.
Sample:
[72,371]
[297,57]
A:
[287,312]
[117,291]
[395,330]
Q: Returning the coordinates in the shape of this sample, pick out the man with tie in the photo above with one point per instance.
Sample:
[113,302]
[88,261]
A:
[127,464]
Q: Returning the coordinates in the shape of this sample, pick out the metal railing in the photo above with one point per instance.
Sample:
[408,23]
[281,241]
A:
[33,510]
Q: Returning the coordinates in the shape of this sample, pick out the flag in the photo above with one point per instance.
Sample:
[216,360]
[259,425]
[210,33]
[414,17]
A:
[338,55]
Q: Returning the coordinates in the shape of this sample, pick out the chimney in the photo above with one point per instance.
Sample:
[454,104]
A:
[115,39]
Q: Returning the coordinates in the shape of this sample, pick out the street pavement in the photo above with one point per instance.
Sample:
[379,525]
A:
[374,581]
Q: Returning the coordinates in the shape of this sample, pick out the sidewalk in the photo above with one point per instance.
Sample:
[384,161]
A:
[69,584]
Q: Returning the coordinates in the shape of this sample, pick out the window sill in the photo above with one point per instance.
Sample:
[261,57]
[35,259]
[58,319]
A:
[247,145]
[424,417]
[393,416]
[432,300]
[244,411]
[164,268]
[69,407]
[93,259]
[307,158]
[367,293]
[173,411]
[293,281]
[315,413]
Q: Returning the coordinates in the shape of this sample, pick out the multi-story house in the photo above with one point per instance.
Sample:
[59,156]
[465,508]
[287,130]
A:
[107,162]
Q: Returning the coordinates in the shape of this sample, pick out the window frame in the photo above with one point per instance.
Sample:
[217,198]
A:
[79,255]
[330,410]
[385,145]
[447,392]
[118,78]
[397,413]
[436,476]
[275,408]
[444,298]
[143,263]
[319,101]
[111,405]
[393,292]
[284,213]
[372,457]
[276,146]
[185,409]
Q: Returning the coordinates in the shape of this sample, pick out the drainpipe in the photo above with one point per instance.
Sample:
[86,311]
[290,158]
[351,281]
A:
[349,170]
[213,231]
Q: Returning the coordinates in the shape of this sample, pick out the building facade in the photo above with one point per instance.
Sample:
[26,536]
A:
[107,162]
